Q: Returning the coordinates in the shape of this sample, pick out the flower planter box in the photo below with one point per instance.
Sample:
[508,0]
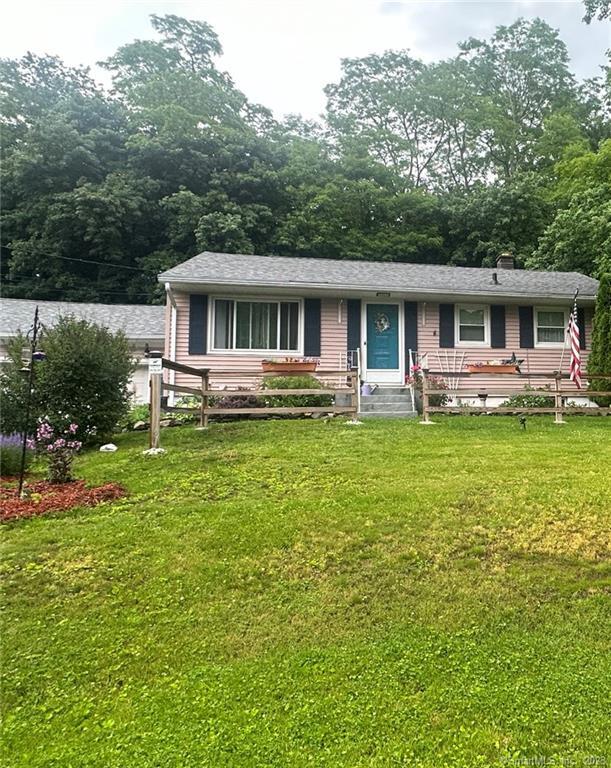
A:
[492,368]
[269,366]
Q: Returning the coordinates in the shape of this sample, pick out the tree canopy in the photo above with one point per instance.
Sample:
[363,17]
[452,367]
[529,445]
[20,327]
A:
[498,147]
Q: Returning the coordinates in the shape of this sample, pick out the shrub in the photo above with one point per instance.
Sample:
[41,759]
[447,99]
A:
[141,412]
[294,401]
[531,397]
[58,445]
[135,414]
[14,389]
[235,401]
[186,402]
[84,378]
[600,356]
[10,454]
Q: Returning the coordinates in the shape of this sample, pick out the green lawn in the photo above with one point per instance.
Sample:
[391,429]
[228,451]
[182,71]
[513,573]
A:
[310,594]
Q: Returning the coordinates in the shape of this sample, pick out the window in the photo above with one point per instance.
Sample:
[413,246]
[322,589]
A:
[256,325]
[472,325]
[551,323]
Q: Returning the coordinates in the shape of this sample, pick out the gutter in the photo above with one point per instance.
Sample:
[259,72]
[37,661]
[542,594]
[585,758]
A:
[589,298]
[173,331]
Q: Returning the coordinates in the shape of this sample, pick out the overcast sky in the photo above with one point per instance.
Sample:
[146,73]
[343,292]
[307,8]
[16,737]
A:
[281,53]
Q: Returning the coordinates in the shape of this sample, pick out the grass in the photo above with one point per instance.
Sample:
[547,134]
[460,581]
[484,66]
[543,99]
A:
[294,593]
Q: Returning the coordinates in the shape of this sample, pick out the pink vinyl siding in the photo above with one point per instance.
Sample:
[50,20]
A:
[333,345]
[536,360]
[333,334]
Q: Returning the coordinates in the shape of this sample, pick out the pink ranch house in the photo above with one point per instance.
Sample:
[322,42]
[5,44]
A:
[230,312]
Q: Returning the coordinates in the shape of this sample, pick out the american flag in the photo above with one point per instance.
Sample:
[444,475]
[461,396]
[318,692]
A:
[573,330]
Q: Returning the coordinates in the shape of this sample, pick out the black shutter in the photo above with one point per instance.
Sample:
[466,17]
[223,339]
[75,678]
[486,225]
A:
[311,331]
[198,323]
[527,327]
[581,322]
[410,311]
[497,326]
[446,325]
[354,324]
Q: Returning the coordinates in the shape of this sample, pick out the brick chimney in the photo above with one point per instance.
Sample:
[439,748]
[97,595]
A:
[505,260]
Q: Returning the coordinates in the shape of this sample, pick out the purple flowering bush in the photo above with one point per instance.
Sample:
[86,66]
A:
[10,454]
[59,446]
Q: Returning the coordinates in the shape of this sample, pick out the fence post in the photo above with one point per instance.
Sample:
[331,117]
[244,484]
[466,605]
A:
[155,409]
[354,381]
[425,398]
[558,399]
[203,412]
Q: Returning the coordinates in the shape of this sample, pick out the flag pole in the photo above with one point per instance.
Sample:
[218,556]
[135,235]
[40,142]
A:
[566,331]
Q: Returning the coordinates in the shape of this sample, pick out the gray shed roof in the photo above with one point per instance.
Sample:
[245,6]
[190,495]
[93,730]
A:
[137,321]
[226,269]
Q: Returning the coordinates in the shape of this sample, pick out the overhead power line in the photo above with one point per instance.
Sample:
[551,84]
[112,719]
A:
[100,263]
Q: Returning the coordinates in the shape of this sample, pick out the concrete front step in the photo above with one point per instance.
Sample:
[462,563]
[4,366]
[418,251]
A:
[387,407]
[388,415]
[388,402]
[389,390]
[383,397]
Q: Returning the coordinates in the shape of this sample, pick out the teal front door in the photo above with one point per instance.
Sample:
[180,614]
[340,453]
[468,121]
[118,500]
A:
[382,324]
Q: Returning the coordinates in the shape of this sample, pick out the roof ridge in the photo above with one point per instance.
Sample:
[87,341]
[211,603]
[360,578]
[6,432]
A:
[389,262]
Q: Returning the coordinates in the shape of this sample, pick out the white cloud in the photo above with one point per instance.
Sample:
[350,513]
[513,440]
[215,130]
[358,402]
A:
[282,53]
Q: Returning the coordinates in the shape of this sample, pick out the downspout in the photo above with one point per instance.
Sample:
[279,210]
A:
[172,349]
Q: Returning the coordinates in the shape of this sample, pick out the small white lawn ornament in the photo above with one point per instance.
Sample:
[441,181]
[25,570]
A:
[108,448]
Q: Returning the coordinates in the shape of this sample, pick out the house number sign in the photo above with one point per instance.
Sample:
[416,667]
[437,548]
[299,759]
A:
[155,365]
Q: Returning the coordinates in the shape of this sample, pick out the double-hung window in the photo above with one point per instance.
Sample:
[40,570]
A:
[550,323]
[472,325]
[267,326]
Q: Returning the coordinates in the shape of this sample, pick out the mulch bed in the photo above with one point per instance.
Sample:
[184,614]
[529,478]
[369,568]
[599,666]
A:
[42,497]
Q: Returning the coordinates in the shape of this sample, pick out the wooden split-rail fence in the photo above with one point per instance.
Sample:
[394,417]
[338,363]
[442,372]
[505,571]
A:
[559,395]
[347,384]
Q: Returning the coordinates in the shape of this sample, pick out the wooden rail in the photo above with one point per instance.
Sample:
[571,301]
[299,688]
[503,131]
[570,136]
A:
[530,374]
[289,409]
[558,394]
[188,369]
[470,409]
[504,392]
[265,392]
[182,389]
[204,392]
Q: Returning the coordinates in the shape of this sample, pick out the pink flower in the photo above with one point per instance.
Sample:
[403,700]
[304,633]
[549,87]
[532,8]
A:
[44,431]
[72,428]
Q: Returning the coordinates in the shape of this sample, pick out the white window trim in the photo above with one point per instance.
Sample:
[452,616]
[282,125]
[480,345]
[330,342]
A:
[256,352]
[471,307]
[549,344]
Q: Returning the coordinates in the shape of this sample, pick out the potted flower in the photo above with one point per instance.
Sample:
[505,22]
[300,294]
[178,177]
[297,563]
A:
[511,365]
[290,365]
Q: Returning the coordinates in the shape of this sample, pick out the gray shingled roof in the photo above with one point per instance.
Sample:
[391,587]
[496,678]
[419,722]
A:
[137,321]
[293,272]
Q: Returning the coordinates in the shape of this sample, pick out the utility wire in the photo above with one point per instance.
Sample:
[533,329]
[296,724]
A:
[101,263]
[100,292]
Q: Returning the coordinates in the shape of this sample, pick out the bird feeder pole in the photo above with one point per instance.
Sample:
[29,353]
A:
[28,402]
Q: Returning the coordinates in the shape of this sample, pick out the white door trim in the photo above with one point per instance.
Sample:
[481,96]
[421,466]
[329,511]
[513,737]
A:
[386,375]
